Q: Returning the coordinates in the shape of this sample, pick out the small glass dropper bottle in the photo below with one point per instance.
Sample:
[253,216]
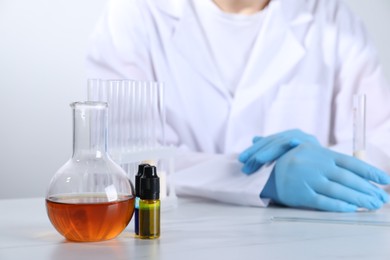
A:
[149,204]
[137,188]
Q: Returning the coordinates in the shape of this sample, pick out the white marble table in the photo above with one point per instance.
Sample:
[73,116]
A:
[199,229]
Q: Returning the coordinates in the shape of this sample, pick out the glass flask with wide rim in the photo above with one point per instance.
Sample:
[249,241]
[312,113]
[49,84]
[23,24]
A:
[90,198]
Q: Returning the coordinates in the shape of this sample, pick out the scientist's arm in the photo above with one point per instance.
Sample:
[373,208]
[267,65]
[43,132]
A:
[312,176]
[119,46]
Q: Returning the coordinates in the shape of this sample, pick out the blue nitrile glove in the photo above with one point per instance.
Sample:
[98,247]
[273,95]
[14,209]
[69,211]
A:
[270,148]
[312,176]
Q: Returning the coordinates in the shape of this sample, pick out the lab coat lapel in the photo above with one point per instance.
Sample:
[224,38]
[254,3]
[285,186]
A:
[276,51]
[189,41]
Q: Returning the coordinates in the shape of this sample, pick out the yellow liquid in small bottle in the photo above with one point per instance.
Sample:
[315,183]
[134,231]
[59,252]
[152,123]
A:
[149,219]
[87,218]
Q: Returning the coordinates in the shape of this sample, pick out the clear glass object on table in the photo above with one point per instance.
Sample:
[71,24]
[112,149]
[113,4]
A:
[137,128]
[359,126]
[90,198]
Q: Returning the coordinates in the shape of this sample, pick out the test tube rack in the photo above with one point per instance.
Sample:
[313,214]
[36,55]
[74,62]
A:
[136,128]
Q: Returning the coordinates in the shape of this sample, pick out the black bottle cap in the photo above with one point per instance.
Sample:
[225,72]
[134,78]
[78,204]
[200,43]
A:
[149,184]
[138,177]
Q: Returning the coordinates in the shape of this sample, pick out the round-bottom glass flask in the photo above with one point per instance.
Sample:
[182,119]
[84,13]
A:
[90,198]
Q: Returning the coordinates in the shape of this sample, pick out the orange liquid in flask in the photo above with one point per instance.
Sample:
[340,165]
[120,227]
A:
[88,217]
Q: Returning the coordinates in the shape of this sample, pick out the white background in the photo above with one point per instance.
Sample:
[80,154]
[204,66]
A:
[42,49]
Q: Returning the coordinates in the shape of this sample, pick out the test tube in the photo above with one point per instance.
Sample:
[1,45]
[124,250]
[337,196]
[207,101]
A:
[359,126]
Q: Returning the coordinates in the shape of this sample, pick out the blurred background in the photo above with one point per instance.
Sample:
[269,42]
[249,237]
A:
[42,51]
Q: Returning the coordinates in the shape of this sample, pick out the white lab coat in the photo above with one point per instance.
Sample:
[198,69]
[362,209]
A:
[308,60]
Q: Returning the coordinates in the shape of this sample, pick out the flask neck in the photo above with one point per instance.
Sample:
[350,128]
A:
[89,129]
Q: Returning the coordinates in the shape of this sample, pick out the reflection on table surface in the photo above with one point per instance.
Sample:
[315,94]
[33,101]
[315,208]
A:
[201,229]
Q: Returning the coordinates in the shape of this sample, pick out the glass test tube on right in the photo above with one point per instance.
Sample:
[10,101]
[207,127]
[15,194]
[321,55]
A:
[359,126]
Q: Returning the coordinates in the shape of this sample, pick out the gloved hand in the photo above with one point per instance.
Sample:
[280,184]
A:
[315,177]
[270,148]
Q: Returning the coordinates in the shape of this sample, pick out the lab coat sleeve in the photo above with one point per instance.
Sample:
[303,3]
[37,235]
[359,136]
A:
[119,46]
[359,71]
[219,177]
